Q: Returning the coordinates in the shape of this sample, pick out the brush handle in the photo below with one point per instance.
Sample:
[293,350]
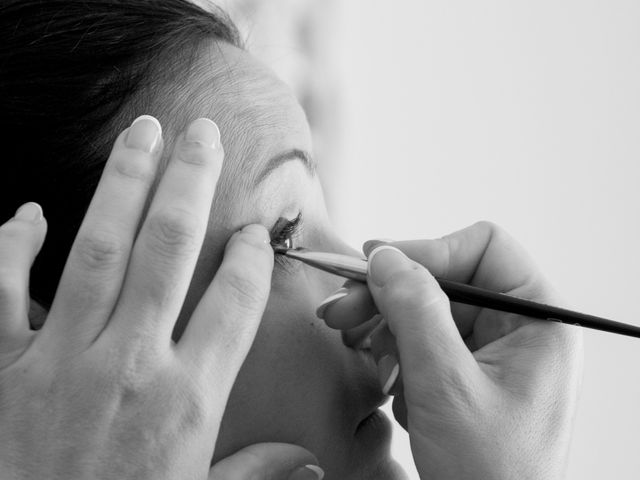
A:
[356,269]
[469,295]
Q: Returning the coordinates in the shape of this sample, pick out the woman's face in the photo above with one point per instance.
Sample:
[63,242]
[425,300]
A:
[299,384]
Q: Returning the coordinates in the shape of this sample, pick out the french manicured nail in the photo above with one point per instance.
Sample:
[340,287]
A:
[144,134]
[308,472]
[373,243]
[384,262]
[205,131]
[330,300]
[388,371]
[29,212]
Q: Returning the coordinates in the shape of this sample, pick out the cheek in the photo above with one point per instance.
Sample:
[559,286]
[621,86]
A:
[291,386]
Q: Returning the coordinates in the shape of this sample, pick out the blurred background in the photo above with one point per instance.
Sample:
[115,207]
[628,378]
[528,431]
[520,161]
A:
[429,116]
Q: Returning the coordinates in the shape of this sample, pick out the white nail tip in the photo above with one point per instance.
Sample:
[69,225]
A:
[375,251]
[317,470]
[341,293]
[150,118]
[383,247]
[393,376]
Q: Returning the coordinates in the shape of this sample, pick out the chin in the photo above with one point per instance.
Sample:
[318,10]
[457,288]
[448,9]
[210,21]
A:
[371,455]
[388,469]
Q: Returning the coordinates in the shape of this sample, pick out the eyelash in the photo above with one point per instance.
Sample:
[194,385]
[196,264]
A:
[284,232]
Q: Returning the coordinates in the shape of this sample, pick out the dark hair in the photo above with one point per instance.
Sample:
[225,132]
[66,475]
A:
[73,73]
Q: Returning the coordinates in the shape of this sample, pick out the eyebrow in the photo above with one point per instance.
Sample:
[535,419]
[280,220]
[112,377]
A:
[284,157]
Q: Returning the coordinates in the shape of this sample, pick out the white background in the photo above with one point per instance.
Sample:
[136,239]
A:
[526,113]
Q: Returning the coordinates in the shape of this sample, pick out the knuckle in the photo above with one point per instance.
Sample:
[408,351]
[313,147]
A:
[173,233]
[244,289]
[127,372]
[566,340]
[487,225]
[11,233]
[254,237]
[195,405]
[138,384]
[133,165]
[403,285]
[194,153]
[250,246]
[10,288]
[491,231]
[538,289]
[100,250]
[412,290]
[16,237]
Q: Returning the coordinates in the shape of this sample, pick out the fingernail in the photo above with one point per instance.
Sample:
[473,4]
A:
[258,231]
[308,472]
[29,212]
[205,131]
[330,300]
[388,371]
[384,262]
[373,243]
[144,134]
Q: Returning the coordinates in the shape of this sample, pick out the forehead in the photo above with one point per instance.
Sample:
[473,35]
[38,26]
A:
[258,115]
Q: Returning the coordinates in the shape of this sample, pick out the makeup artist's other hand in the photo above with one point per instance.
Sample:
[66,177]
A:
[101,391]
[483,394]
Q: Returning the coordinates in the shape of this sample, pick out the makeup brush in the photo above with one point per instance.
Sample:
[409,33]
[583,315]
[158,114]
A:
[356,269]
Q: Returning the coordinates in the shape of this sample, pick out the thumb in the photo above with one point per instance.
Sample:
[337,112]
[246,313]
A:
[419,316]
[268,461]
[21,239]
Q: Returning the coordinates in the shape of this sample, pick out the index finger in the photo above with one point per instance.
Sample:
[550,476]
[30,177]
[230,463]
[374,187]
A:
[486,256]
[483,255]
[93,274]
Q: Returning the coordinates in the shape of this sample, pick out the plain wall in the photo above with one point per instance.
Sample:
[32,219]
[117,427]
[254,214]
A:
[526,113]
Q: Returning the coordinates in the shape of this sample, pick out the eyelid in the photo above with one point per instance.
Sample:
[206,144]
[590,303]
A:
[286,228]
[291,229]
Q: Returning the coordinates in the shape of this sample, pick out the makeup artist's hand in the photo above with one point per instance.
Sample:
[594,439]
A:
[483,394]
[101,391]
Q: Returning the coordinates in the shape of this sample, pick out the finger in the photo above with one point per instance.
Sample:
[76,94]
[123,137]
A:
[385,354]
[348,307]
[482,254]
[435,256]
[486,256]
[268,461]
[169,242]
[215,344]
[21,239]
[382,342]
[418,314]
[357,337]
[92,277]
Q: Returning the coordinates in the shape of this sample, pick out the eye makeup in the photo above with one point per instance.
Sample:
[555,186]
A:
[285,233]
